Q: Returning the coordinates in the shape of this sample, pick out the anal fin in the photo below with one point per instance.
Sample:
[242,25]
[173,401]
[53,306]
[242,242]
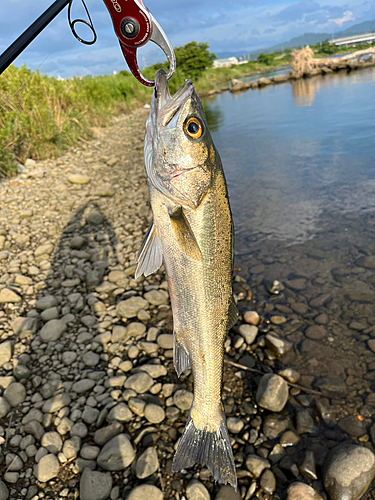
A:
[181,358]
[150,256]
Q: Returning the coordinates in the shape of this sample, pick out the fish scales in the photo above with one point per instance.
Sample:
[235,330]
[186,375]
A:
[192,234]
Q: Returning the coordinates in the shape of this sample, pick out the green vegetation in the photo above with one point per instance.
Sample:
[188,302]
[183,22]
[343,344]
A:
[47,115]
[324,49]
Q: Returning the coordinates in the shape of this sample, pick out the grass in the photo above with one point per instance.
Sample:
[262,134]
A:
[47,115]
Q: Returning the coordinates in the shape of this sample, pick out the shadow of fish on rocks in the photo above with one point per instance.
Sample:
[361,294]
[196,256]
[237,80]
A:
[68,403]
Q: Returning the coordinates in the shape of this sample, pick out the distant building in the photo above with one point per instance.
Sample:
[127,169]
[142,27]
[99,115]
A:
[225,63]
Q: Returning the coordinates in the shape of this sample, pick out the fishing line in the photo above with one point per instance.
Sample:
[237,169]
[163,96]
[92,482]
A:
[31,75]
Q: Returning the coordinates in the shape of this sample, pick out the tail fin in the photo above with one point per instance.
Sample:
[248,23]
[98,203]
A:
[209,449]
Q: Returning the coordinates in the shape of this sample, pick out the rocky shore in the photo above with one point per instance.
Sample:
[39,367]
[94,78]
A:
[90,404]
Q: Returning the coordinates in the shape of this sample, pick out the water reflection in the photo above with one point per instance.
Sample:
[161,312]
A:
[303,91]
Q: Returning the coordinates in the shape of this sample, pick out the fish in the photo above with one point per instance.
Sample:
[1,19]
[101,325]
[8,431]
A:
[192,235]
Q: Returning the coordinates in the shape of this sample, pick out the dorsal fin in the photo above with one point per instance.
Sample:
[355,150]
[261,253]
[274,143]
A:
[150,256]
[184,234]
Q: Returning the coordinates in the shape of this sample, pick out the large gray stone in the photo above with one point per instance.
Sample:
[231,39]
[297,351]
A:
[121,413]
[154,371]
[145,491]
[52,442]
[52,330]
[117,454]
[256,465]
[46,302]
[4,492]
[147,463]
[272,393]
[57,402]
[8,296]
[248,332]
[4,407]
[157,297]
[227,493]
[348,471]
[95,485]
[183,399]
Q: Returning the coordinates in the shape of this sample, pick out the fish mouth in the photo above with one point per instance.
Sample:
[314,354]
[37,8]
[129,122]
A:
[165,106]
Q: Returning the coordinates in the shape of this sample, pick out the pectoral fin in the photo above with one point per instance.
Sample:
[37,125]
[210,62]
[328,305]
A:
[149,257]
[184,234]
[232,313]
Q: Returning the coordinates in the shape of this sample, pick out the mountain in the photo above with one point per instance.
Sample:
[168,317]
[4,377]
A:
[313,38]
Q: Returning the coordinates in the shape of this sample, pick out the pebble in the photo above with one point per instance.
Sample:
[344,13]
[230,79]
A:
[57,402]
[195,490]
[154,413]
[277,345]
[248,332]
[52,442]
[251,317]
[348,471]
[147,491]
[129,308]
[165,341]
[121,413]
[274,425]
[302,491]
[15,393]
[47,468]
[332,387]
[157,297]
[5,352]
[4,407]
[78,179]
[4,492]
[256,465]
[155,371]
[8,296]
[147,463]
[235,425]
[117,454]
[268,481]
[52,330]
[95,485]
[316,332]
[140,382]
[227,493]
[183,399]
[272,393]
[103,435]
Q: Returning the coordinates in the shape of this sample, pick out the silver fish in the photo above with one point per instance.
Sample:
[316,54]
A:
[192,234]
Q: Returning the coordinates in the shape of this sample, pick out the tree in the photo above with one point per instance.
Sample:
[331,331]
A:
[265,59]
[193,58]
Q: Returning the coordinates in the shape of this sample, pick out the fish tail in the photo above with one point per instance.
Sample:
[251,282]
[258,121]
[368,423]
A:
[209,449]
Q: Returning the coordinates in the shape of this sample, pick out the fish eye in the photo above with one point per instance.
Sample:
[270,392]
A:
[193,128]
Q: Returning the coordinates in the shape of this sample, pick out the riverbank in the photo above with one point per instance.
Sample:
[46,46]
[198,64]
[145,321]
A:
[91,406]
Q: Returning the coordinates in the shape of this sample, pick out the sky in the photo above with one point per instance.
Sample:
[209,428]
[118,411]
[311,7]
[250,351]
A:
[234,26]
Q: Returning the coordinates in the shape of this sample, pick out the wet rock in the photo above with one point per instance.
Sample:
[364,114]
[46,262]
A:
[256,465]
[316,332]
[195,490]
[52,330]
[277,345]
[278,320]
[147,463]
[274,425]
[47,468]
[251,317]
[145,491]
[235,425]
[227,493]
[352,426]
[272,393]
[248,332]
[95,485]
[183,399]
[297,284]
[289,374]
[268,481]
[117,454]
[140,382]
[302,491]
[304,422]
[289,438]
[308,466]
[332,387]
[5,352]
[15,393]
[348,471]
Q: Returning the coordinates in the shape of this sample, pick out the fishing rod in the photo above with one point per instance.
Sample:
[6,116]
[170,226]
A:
[133,23]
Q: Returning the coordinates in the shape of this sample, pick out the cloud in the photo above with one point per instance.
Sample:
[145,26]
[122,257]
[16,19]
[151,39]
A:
[348,16]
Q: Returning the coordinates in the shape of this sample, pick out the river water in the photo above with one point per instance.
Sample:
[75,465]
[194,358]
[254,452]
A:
[300,164]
